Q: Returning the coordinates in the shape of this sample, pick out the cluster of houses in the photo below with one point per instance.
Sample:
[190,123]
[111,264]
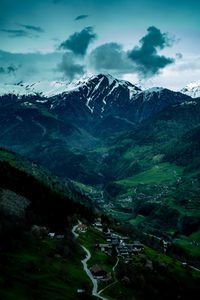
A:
[122,245]
[124,248]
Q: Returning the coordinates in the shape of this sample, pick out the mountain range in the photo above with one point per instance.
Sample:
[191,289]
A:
[96,100]
[121,141]
[43,121]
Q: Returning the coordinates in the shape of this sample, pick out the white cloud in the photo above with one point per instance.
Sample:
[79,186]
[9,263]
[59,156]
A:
[174,77]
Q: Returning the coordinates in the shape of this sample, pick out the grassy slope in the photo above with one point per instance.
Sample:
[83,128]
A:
[158,174]
[36,271]
[187,243]
[32,268]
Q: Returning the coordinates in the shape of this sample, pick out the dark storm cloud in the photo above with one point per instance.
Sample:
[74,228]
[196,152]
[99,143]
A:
[16,33]
[146,57]
[8,70]
[33,28]
[143,60]
[81,17]
[110,57]
[79,41]
[69,67]
[12,68]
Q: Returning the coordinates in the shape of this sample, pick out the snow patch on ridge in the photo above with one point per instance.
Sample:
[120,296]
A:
[148,93]
[192,89]
[132,91]
[18,90]
[87,104]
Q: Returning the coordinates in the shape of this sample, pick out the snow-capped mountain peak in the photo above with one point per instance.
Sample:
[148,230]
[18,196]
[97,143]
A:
[192,89]
[100,98]
[52,88]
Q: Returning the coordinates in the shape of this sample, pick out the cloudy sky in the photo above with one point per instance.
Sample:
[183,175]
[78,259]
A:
[156,43]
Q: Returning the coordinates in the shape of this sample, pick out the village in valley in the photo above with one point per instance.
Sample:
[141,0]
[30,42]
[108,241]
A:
[115,245]
[102,243]
[108,257]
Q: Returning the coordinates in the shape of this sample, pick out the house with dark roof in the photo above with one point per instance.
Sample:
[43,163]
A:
[98,272]
[60,236]
[138,245]
[82,228]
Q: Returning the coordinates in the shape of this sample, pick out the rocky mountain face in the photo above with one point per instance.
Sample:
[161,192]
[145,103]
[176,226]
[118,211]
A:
[93,101]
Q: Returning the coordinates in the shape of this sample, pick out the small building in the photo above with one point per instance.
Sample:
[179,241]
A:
[128,260]
[115,242]
[51,235]
[104,247]
[124,238]
[80,291]
[138,245]
[98,272]
[108,240]
[60,236]
[98,225]
[82,228]
[108,234]
[136,250]
[123,254]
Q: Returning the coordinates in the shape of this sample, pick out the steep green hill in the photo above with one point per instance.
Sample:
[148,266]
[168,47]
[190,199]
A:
[32,265]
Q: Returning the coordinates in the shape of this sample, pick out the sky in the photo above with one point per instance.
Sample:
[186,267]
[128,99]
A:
[148,42]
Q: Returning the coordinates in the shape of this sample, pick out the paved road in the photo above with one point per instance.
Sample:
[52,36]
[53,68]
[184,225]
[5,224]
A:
[115,264]
[84,262]
[74,231]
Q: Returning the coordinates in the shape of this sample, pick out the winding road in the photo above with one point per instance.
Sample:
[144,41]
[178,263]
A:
[84,262]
